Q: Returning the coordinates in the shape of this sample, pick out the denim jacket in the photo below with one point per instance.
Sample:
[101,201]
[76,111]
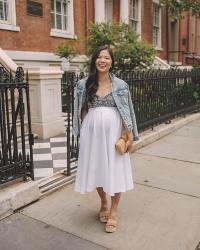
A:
[122,97]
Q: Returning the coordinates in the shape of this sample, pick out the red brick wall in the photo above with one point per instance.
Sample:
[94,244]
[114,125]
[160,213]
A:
[146,16]
[34,32]
[116,10]
[163,53]
[80,23]
[147,27]
[90,10]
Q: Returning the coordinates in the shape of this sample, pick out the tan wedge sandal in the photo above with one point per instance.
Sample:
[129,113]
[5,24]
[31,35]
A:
[103,216]
[111,225]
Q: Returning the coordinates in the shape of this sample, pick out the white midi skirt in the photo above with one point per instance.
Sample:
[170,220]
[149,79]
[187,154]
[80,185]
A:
[99,164]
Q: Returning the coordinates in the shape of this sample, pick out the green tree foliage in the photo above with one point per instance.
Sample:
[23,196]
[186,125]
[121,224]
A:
[129,52]
[66,50]
[176,7]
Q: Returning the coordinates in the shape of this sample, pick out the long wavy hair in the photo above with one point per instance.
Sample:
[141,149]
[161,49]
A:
[92,81]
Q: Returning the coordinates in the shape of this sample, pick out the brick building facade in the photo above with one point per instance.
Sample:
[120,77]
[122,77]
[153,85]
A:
[184,40]
[33,29]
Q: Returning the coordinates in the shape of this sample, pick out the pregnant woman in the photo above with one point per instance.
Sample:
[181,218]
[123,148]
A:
[103,111]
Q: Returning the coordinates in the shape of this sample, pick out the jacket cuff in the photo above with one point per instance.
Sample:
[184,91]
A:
[136,138]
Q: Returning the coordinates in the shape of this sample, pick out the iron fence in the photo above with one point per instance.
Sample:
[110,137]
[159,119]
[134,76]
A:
[68,84]
[157,96]
[16,138]
[160,95]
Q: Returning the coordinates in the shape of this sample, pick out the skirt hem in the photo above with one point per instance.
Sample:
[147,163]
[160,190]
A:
[107,192]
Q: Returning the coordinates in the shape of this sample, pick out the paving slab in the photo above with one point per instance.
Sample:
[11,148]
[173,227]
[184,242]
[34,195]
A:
[173,146]
[19,232]
[172,175]
[162,212]
[191,130]
[149,218]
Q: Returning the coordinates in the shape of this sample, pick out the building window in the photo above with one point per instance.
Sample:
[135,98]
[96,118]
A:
[4,10]
[156,25]
[59,14]
[135,15]
[8,15]
[62,21]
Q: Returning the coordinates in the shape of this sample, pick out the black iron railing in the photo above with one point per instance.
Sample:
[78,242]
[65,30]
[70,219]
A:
[160,95]
[68,84]
[16,139]
[157,96]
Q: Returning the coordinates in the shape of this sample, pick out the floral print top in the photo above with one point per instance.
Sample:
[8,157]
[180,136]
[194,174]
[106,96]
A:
[102,101]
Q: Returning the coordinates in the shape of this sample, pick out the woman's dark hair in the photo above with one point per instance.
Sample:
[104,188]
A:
[92,81]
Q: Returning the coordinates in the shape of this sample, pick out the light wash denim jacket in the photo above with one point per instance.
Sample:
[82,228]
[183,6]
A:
[122,97]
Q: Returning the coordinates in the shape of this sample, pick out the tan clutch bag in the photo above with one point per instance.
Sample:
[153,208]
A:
[121,146]
[123,142]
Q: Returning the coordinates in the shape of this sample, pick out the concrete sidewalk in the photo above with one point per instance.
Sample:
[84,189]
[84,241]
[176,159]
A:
[161,213]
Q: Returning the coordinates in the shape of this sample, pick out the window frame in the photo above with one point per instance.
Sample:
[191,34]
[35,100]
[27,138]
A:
[64,33]
[10,23]
[135,20]
[157,26]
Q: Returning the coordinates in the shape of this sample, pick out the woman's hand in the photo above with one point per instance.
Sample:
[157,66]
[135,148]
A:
[129,142]
[129,146]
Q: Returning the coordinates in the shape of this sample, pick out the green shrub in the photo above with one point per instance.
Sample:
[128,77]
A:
[66,49]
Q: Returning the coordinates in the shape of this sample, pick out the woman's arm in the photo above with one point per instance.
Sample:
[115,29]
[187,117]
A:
[133,118]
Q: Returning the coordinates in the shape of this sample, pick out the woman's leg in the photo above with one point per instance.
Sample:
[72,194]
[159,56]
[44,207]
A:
[112,221]
[114,204]
[104,212]
[102,195]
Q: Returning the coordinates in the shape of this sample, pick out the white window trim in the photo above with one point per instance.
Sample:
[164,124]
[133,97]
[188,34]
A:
[108,10]
[66,33]
[99,9]
[11,23]
[139,22]
[159,45]
[124,11]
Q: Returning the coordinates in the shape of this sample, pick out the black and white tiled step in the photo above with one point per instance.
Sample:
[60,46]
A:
[49,156]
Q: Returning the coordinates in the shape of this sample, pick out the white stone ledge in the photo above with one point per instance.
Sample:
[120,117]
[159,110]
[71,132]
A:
[33,56]
[45,73]
[62,34]
[7,62]
[16,196]
[9,27]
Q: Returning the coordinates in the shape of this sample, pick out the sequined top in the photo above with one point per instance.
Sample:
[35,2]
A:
[102,101]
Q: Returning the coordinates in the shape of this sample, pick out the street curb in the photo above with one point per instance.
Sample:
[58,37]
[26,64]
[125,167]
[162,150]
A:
[21,194]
